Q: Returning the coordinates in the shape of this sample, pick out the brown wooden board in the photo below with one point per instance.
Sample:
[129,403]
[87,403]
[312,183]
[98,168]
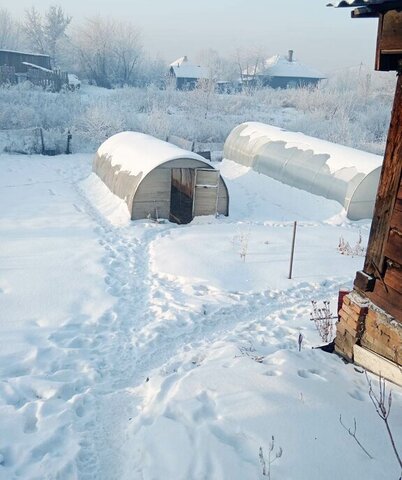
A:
[364,282]
[389,44]
[393,247]
[393,278]
[396,219]
[389,300]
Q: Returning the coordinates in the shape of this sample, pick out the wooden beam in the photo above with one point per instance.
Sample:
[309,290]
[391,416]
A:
[377,364]
[364,282]
[387,298]
[387,190]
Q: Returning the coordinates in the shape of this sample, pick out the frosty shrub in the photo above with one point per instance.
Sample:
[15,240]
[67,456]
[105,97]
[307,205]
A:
[240,241]
[356,250]
[352,108]
[323,320]
[272,457]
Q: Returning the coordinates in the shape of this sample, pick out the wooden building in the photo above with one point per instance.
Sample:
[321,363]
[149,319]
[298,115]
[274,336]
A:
[18,67]
[370,328]
[283,72]
[160,180]
[20,60]
[186,74]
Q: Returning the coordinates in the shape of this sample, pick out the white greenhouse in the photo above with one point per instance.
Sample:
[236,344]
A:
[160,180]
[334,171]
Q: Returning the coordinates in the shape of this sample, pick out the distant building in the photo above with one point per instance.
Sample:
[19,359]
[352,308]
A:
[21,61]
[283,72]
[18,67]
[186,74]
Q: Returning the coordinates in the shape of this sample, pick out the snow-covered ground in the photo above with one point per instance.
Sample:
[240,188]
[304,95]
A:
[137,350]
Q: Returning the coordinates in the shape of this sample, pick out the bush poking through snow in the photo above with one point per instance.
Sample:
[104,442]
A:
[272,457]
[346,249]
[352,433]
[323,320]
[382,404]
[241,241]
[251,353]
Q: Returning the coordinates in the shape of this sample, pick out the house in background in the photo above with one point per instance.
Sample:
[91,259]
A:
[20,60]
[186,74]
[18,67]
[283,72]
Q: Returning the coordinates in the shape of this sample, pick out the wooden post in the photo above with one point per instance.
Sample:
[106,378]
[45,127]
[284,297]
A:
[293,250]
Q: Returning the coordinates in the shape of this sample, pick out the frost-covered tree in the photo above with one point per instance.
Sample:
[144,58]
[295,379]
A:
[55,26]
[249,62]
[9,31]
[33,30]
[127,50]
[109,51]
[220,68]
[44,34]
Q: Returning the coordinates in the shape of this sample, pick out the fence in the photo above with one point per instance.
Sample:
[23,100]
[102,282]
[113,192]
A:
[53,81]
[7,74]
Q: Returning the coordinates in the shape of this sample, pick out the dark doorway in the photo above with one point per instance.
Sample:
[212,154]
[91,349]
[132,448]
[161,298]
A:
[181,195]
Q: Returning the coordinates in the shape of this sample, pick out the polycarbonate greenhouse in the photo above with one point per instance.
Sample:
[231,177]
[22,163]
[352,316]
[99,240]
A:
[334,171]
[160,180]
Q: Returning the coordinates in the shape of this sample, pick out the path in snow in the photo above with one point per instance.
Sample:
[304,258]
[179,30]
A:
[79,393]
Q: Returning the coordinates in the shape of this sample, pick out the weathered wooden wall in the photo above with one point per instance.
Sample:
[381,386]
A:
[384,252]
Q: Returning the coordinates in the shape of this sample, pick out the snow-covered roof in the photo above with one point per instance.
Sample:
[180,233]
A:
[37,67]
[179,61]
[24,53]
[357,3]
[280,66]
[334,171]
[138,153]
[340,156]
[190,71]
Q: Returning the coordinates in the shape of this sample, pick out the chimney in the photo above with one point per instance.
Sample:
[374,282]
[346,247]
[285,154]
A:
[290,57]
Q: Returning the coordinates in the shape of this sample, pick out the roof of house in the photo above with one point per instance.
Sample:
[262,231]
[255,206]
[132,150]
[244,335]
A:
[24,53]
[358,3]
[187,70]
[37,67]
[179,61]
[280,66]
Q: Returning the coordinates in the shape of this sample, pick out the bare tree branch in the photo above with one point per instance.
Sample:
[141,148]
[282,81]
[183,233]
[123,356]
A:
[352,433]
[382,404]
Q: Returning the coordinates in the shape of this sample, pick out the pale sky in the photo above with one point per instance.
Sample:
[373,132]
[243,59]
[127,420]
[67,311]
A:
[325,38]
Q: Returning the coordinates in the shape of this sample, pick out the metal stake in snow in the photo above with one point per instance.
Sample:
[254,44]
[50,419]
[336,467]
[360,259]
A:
[293,250]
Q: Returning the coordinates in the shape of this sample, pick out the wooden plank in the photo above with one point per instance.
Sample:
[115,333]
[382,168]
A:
[388,299]
[181,142]
[388,188]
[393,278]
[396,219]
[207,177]
[391,32]
[377,364]
[393,246]
[364,282]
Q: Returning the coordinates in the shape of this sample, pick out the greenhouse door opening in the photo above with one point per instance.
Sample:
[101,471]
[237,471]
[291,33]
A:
[206,189]
[181,195]
[194,192]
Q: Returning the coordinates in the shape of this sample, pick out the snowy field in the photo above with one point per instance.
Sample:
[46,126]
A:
[137,350]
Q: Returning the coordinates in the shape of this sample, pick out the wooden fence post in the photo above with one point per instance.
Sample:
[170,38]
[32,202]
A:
[293,250]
